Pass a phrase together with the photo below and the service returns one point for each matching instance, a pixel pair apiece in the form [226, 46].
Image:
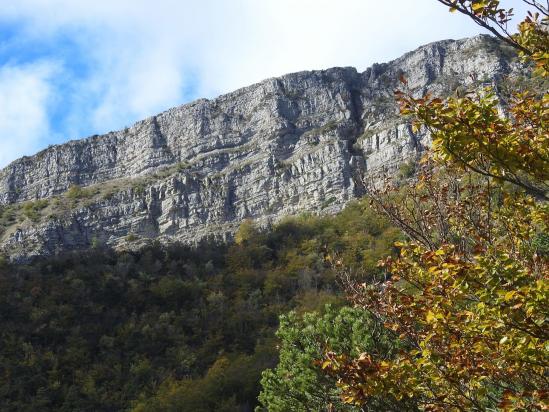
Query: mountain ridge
[302, 142]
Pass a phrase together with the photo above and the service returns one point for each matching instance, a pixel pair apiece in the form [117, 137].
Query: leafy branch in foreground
[531, 40]
[471, 132]
[474, 318]
[468, 295]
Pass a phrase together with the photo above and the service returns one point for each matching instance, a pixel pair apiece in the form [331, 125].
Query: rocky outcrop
[301, 142]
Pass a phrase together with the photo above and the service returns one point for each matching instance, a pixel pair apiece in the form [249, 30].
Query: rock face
[301, 142]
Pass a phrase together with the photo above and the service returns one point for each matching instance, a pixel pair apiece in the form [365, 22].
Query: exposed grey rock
[301, 142]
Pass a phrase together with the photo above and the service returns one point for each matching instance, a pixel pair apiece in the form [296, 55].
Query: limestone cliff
[301, 142]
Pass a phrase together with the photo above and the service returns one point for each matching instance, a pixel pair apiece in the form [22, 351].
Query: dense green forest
[171, 327]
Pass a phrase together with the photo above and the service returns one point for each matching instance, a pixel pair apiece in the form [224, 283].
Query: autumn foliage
[468, 295]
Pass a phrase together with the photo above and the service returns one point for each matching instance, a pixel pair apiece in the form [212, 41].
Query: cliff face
[301, 142]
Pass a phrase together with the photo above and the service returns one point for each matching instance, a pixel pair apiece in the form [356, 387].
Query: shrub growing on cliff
[76, 192]
[32, 209]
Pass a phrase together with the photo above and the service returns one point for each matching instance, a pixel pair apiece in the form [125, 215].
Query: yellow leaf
[478, 6]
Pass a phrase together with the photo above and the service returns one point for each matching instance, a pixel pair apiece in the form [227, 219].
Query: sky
[74, 68]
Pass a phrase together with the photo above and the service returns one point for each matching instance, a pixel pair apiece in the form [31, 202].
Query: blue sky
[73, 68]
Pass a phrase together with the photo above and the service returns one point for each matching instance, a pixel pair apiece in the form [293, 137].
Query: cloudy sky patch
[69, 69]
[25, 95]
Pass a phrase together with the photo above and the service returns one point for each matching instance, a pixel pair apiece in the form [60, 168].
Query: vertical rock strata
[301, 142]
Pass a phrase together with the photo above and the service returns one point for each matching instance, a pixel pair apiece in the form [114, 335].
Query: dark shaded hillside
[98, 330]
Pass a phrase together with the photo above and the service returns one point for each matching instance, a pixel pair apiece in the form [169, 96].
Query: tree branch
[485, 25]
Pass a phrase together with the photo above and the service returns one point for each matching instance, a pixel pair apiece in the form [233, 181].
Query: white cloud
[24, 95]
[145, 54]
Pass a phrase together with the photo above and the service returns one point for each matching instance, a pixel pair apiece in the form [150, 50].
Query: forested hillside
[171, 325]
